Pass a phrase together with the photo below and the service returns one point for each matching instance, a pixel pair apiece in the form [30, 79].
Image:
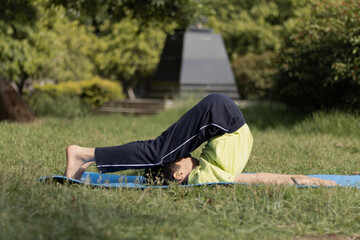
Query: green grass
[284, 142]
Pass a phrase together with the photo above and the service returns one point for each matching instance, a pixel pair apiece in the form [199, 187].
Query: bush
[96, 91]
[61, 106]
[254, 75]
[73, 99]
[320, 60]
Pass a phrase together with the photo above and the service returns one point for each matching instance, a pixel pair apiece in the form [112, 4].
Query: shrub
[64, 106]
[320, 59]
[64, 88]
[97, 91]
[73, 99]
[254, 75]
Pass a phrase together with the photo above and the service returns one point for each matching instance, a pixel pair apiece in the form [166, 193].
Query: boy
[217, 120]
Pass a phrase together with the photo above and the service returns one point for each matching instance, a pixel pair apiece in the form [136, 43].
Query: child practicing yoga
[216, 120]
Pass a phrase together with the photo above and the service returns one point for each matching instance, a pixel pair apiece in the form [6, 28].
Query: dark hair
[164, 175]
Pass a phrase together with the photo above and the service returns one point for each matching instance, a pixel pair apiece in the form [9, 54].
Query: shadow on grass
[264, 115]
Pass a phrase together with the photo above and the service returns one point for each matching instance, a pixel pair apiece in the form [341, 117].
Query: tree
[97, 12]
[12, 107]
[43, 44]
[253, 32]
[14, 17]
[18, 58]
[127, 54]
[38, 43]
[251, 26]
[320, 61]
[130, 34]
[70, 46]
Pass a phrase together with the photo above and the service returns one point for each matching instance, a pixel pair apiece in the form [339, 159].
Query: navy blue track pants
[215, 115]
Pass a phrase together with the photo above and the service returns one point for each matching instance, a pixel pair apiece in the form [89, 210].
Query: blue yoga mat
[115, 181]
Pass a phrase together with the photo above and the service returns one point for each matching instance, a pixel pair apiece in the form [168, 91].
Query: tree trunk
[12, 107]
[131, 94]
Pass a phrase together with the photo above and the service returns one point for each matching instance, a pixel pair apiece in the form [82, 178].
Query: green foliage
[73, 99]
[71, 47]
[18, 12]
[94, 91]
[65, 40]
[252, 33]
[97, 91]
[20, 56]
[62, 106]
[249, 26]
[254, 75]
[52, 43]
[129, 35]
[45, 46]
[320, 60]
[19, 59]
[163, 12]
[128, 50]
[127, 54]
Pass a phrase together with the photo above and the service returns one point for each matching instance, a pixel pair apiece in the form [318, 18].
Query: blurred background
[64, 57]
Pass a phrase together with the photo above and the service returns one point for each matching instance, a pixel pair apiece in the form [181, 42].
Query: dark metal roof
[195, 61]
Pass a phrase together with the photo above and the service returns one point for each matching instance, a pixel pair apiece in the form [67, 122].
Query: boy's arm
[282, 179]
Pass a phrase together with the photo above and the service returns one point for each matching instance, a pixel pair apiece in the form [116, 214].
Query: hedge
[254, 75]
[320, 59]
[72, 99]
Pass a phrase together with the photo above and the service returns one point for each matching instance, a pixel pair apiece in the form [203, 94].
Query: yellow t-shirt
[223, 158]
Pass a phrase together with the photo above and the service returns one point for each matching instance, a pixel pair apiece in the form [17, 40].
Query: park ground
[285, 141]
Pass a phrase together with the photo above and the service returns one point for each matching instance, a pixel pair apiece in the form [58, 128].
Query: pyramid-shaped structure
[194, 61]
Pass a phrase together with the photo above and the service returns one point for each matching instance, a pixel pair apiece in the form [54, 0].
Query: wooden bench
[137, 106]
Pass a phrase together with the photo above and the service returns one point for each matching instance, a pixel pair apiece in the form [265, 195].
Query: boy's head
[177, 171]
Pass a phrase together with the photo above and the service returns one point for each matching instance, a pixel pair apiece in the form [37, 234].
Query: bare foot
[78, 159]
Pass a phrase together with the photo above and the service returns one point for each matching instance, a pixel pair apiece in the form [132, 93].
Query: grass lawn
[284, 142]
